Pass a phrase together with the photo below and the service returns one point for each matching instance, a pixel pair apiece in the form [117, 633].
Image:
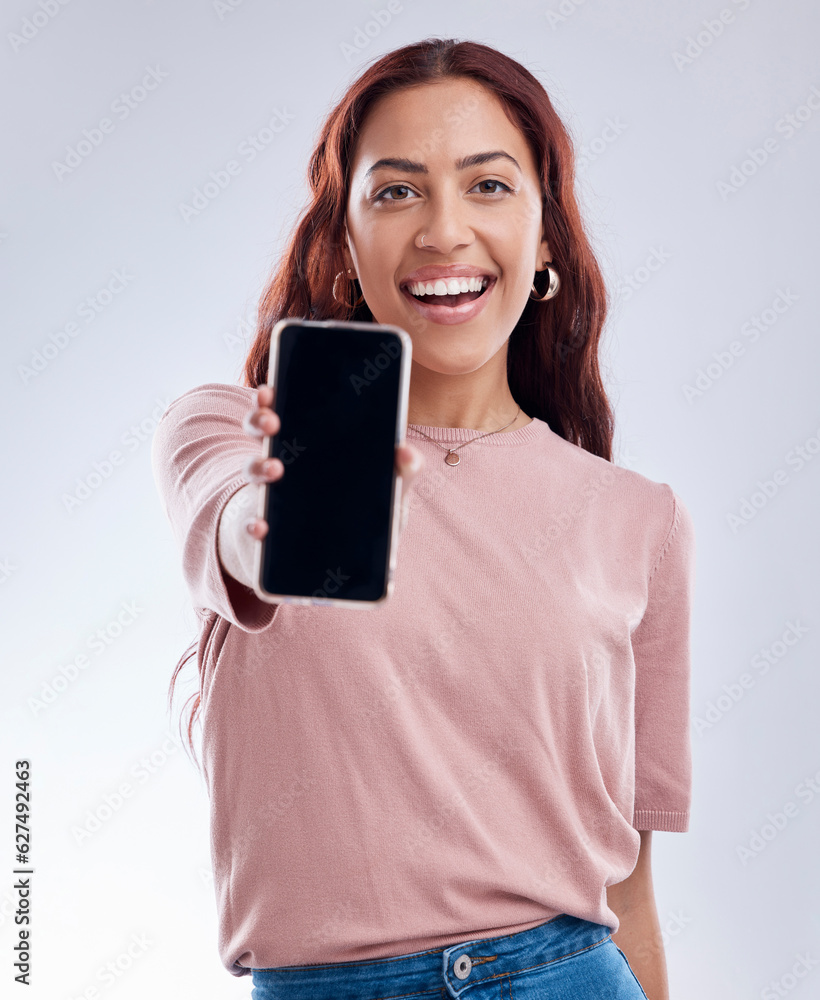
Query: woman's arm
[639, 933]
[235, 543]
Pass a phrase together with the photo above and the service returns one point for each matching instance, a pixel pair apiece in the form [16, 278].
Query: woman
[457, 794]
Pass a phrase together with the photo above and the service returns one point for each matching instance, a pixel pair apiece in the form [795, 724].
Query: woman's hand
[260, 421]
[264, 420]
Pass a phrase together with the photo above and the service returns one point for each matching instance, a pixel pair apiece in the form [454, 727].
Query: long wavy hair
[552, 355]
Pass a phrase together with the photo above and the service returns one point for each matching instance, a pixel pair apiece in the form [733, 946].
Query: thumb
[409, 460]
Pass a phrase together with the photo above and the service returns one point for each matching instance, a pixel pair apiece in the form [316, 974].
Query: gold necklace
[452, 453]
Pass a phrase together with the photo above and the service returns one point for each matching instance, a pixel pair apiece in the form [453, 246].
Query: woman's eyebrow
[412, 167]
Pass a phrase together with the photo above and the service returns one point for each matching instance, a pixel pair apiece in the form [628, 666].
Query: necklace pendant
[451, 458]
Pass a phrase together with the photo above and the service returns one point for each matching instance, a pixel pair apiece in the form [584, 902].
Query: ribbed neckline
[529, 432]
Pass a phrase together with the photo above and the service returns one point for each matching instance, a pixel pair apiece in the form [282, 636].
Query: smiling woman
[448, 159]
[471, 207]
[458, 793]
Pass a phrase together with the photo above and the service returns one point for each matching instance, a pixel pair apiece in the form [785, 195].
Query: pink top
[477, 754]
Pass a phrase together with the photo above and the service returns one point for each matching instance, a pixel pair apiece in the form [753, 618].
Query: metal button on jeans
[463, 966]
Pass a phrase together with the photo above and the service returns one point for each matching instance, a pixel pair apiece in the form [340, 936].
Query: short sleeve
[198, 453]
[661, 647]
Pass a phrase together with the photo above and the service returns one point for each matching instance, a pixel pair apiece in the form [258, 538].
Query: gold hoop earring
[554, 285]
[358, 302]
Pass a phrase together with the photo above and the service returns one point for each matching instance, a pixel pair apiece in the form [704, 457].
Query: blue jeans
[565, 958]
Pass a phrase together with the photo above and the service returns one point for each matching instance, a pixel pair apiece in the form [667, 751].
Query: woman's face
[485, 215]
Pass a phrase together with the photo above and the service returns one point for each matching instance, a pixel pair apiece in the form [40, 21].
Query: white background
[738, 912]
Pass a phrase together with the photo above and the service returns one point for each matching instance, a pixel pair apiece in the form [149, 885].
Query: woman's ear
[348, 259]
[544, 255]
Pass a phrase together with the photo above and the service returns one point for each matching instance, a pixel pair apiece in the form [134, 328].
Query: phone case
[401, 431]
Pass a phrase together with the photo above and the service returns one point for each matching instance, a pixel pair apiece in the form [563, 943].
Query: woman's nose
[446, 227]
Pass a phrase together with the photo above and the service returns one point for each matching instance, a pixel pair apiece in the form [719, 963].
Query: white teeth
[449, 286]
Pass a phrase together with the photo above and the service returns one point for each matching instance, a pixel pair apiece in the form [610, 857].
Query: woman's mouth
[440, 303]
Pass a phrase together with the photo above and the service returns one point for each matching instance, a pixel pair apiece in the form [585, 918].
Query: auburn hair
[552, 354]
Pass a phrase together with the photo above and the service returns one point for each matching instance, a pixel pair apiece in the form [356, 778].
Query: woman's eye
[500, 183]
[394, 187]
[382, 196]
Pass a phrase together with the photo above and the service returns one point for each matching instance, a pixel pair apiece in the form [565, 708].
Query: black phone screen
[337, 393]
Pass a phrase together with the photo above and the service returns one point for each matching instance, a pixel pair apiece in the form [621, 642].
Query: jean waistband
[462, 965]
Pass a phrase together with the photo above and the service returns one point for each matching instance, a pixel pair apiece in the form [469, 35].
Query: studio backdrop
[154, 165]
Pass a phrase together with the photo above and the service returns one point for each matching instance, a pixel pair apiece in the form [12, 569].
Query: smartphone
[340, 390]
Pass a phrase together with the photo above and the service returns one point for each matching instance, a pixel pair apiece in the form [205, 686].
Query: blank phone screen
[329, 515]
